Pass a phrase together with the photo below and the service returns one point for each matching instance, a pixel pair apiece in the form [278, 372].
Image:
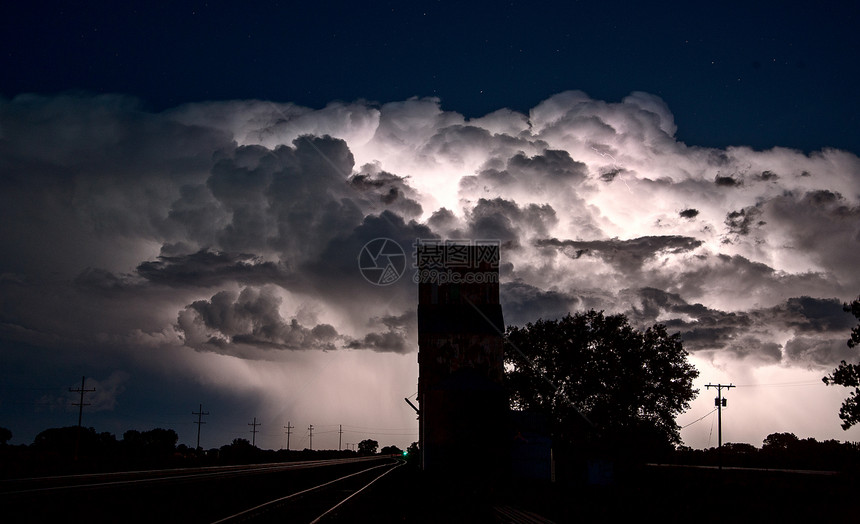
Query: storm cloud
[234, 229]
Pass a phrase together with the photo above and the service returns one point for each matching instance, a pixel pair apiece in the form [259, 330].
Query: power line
[199, 422]
[720, 402]
[80, 405]
[254, 431]
[698, 419]
[783, 384]
[288, 427]
[379, 429]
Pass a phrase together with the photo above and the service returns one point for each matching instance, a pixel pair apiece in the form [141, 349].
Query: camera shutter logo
[382, 261]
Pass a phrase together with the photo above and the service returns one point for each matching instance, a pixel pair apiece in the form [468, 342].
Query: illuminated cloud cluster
[235, 227]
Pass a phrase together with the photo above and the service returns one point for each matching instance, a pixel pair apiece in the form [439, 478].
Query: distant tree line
[611, 391]
[74, 450]
[778, 451]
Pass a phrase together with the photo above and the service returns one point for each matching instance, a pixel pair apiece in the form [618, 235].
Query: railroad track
[115, 479]
[316, 503]
[304, 491]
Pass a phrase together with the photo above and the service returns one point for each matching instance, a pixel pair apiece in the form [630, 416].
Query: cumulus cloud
[250, 318]
[399, 336]
[217, 227]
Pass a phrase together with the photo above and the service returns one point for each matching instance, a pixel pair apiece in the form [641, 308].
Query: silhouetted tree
[5, 436]
[629, 384]
[239, 451]
[156, 443]
[739, 448]
[848, 375]
[368, 447]
[391, 450]
[779, 442]
[62, 441]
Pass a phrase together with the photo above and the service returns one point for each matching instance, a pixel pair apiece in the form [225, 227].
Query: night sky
[760, 74]
[185, 190]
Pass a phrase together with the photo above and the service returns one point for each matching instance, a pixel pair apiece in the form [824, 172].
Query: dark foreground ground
[668, 494]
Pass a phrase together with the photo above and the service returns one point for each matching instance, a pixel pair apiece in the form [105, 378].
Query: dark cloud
[400, 334]
[389, 191]
[542, 173]
[609, 175]
[387, 341]
[755, 348]
[335, 273]
[625, 255]
[290, 199]
[133, 238]
[207, 268]
[717, 158]
[505, 221]
[806, 315]
[738, 275]
[103, 282]
[251, 317]
[495, 219]
[823, 225]
[442, 219]
[743, 221]
[748, 334]
[524, 303]
[458, 143]
[727, 181]
[552, 164]
[767, 176]
[817, 206]
[701, 328]
[705, 329]
[819, 351]
[89, 176]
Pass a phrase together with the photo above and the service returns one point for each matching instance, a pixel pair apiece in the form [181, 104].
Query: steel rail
[342, 502]
[268, 505]
[175, 474]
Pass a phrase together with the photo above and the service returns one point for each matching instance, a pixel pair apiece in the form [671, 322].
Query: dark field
[663, 494]
[667, 494]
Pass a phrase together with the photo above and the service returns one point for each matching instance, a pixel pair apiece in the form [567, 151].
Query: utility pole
[288, 427]
[311, 435]
[199, 414]
[720, 402]
[80, 405]
[254, 431]
[339, 436]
